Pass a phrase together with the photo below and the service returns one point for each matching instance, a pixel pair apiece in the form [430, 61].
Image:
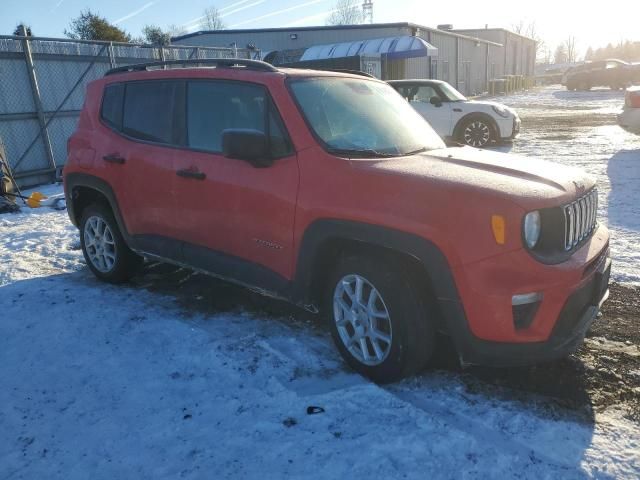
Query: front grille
[580, 218]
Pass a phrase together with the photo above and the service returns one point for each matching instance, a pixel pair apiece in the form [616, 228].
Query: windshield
[451, 93]
[354, 116]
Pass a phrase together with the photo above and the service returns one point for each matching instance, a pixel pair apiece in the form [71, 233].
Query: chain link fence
[43, 82]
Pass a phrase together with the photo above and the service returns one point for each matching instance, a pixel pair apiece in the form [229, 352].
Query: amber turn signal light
[498, 227]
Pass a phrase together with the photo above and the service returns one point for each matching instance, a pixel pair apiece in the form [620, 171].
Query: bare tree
[346, 12]
[176, 30]
[560, 55]
[570, 47]
[211, 19]
[531, 30]
[589, 54]
[518, 27]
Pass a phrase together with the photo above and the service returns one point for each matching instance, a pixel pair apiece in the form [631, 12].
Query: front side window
[213, 107]
[361, 116]
[150, 111]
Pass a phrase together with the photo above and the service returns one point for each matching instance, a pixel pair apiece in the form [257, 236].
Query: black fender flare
[492, 124]
[74, 180]
[424, 251]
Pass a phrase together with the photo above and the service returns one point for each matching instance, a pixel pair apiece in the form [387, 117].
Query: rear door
[234, 218]
[151, 126]
[136, 152]
[438, 116]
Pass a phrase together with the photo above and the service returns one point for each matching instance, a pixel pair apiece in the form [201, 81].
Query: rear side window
[151, 110]
[213, 107]
[112, 101]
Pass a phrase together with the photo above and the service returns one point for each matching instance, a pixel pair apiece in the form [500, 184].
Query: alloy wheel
[477, 134]
[362, 320]
[100, 244]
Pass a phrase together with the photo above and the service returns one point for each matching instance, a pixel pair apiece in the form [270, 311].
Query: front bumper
[484, 325]
[509, 128]
[576, 317]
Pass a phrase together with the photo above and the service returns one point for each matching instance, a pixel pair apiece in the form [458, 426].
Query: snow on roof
[404, 46]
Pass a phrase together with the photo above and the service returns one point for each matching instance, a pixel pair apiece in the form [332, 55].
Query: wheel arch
[81, 190]
[457, 131]
[325, 239]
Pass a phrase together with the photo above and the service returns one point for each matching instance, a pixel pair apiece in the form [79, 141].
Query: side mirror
[435, 101]
[246, 144]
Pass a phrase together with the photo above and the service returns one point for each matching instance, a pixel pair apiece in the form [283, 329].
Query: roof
[415, 80]
[403, 46]
[497, 29]
[332, 28]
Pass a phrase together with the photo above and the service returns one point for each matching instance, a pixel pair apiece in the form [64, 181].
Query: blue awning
[404, 46]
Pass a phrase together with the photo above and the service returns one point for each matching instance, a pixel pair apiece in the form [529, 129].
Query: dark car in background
[615, 74]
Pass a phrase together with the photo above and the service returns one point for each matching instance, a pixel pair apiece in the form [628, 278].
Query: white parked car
[629, 119]
[454, 117]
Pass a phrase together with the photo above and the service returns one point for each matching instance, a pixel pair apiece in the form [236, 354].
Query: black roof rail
[345, 70]
[217, 62]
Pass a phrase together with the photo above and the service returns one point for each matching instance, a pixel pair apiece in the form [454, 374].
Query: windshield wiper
[419, 150]
[365, 152]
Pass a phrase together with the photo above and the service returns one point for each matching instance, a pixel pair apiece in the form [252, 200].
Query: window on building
[434, 68]
[445, 70]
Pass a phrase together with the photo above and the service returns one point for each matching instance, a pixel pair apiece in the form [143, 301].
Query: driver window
[424, 94]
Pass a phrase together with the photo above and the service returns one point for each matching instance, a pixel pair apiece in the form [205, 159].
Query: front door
[438, 115]
[235, 219]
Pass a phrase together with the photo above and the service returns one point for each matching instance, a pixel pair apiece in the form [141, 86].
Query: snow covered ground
[99, 381]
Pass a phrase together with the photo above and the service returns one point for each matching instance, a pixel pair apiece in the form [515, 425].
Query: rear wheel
[380, 321]
[476, 132]
[584, 86]
[104, 249]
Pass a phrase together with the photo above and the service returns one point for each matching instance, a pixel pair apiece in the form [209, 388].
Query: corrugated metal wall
[446, 61]
[516, 58]
[465, 69]
[35, 124]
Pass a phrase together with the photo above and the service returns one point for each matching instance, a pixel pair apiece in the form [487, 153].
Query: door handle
[191, 174]
[457, 109]
[114, 158]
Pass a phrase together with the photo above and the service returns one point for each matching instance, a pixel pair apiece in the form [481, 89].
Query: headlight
[500, 110]
[531, 228]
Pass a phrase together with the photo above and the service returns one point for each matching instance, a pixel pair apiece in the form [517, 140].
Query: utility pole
[367, 11]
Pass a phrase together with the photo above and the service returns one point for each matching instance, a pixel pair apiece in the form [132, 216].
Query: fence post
[112, 56]
[37, 100]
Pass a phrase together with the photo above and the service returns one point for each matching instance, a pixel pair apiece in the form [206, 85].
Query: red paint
[448, 201]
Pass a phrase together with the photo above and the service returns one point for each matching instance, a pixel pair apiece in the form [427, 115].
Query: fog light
[526, 298]
[524, 308]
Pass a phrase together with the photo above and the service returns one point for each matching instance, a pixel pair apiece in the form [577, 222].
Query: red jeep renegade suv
[330, 191]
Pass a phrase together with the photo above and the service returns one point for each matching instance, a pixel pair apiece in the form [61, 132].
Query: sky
[555, 19]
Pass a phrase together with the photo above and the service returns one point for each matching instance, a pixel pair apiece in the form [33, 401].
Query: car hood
[488, 104]
[529, 182]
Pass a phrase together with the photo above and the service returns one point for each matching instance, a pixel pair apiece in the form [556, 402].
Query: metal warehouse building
[466, 59]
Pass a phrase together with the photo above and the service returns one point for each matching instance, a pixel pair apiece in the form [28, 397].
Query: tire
[476, 132]
[404, 339]
[584, 86]
[104, 249]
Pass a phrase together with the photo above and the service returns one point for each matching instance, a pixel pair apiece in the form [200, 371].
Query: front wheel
[380, 321]
[103, 247]
[476, 132]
